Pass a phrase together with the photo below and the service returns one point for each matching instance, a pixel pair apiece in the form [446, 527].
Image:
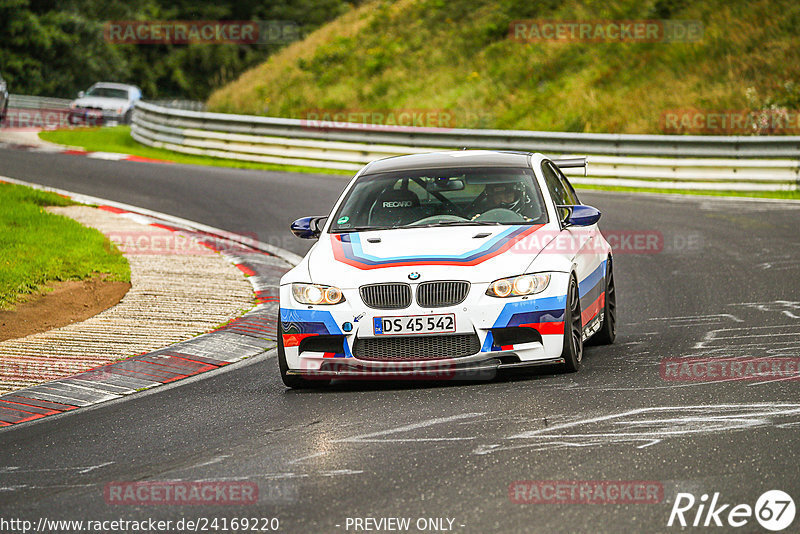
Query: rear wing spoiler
[571, 163]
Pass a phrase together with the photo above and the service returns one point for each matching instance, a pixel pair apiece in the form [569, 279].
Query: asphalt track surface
[723, 285]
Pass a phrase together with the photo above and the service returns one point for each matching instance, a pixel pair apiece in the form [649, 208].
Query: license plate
[414, 324]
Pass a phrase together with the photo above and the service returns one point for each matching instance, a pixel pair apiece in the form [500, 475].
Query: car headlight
[317, 294]
[517, 286]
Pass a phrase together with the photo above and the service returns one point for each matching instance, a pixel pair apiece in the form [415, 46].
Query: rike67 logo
[774, 510]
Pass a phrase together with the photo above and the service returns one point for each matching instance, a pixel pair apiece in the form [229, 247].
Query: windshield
[441, 197]
[108, 92]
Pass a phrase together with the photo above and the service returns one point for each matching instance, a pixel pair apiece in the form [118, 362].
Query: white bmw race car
[447, 264]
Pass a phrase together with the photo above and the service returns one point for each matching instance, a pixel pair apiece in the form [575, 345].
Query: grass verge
[37, 247]
[118, 139]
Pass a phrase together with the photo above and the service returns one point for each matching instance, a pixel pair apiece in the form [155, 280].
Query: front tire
[608, 330]
[572, 351]
[292, 381]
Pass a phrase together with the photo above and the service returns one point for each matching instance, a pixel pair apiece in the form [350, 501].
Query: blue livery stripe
[316, 322]
[347, 249]
[589, 283]
[311, 316]
[548, 305]
[488, 342]
[359, 253]
[547, 316]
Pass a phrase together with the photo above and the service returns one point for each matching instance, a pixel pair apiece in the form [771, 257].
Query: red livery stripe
[593, 309]
[555, 327]
[293, 340]
[339, 254]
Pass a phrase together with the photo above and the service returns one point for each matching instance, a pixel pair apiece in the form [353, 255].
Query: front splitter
[480, 370]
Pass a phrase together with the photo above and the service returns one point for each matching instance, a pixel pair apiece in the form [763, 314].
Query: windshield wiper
[361, 229]
[430, 225]
[454, 223]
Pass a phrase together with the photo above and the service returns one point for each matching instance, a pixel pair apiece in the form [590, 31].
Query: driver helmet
[506, 195]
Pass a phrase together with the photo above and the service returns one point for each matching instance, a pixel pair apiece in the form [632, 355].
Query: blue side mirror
[307, 227]
[579, 215]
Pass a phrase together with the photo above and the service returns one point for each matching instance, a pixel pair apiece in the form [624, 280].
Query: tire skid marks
[779, 265]
[697, 320]
[81, 470]
[381, 436]
[640, 427]
[645, 427]
[740, 339]
[748, 338]
[726, 336]
[788, 308]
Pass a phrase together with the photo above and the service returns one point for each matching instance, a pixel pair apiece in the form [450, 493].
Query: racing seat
[395, 207]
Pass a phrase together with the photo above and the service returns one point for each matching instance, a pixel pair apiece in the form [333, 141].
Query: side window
[554, 184]
[559, 187]
[568, 189]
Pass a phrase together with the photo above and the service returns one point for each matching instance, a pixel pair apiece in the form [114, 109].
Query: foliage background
[455, 55]
[56, 47]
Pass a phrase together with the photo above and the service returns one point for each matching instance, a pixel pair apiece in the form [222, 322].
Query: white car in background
[3, 100]
[453, 261]
[104, 102]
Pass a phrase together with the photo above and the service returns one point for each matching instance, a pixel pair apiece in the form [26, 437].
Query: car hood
[473, 253]
[101, 102]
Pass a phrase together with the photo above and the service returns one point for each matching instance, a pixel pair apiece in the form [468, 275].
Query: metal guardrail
[43, 102]
[37, 102]
[619, 160]
[178, 103]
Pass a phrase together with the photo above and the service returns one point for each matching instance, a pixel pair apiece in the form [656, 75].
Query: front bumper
[94, 116]
[485, 369]
[494, 323]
